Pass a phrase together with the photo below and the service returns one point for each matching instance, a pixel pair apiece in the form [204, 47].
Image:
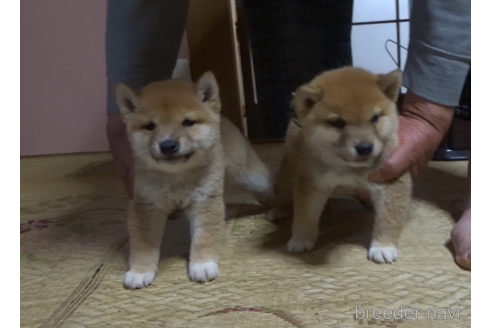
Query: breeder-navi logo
[408, 313]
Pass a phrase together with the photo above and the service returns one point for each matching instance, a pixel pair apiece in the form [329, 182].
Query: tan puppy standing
[183, 151]
[347, 126]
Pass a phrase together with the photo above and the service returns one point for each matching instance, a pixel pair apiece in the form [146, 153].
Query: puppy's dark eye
[340, 124]
[149, 127]
[188, 123]
[375, 119]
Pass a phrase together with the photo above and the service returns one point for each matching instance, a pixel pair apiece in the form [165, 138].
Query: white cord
[389, 53]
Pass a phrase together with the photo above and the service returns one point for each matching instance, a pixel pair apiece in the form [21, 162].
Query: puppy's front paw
[134, 280]
[203, 272]
[382, 254]
[295, 246]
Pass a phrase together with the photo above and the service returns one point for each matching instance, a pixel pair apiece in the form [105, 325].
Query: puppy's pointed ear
[207, 90]
[390, 84]
[127, 98]
[305, 98]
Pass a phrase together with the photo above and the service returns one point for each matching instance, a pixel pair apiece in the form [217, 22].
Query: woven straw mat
[74, 249]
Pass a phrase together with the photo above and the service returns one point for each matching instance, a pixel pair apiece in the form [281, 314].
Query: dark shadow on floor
[342, 222]
[442, 188]
[177, 236]
[348, 222]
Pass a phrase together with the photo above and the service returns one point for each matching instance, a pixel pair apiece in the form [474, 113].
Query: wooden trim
[253, 121]
[213, 47]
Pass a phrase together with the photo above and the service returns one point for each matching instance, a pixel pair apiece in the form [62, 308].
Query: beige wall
[63, 88]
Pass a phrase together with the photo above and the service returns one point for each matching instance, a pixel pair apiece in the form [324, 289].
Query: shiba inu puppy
[183, 152]
[346, 126]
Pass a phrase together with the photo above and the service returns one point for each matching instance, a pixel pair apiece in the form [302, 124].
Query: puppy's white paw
[203, 272]
[134, 280]
[276, 214]
[382, 254]
[295, 246]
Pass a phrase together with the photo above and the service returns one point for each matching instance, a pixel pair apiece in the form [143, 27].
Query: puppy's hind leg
[391, 202]
[283, 188]
[256, 178]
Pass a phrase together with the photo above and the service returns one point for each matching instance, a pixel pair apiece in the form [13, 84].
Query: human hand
[121, 150]
[422, 126]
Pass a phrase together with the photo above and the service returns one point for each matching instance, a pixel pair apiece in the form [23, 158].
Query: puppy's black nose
[169, 147]
[364, 148]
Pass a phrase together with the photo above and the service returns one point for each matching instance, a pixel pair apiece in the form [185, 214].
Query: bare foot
[461, 233]
[461, 237]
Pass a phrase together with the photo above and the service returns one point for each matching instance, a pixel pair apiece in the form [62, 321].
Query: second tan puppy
[183, 152]
[347, 126]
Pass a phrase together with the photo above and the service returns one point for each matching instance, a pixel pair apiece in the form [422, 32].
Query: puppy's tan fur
[320, 155]
[189, 182]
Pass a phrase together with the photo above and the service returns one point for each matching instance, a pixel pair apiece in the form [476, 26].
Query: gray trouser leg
[143, 38]
[439, 54]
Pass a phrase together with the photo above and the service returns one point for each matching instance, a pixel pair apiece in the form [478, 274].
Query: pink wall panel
[62, 76]
[63, 88]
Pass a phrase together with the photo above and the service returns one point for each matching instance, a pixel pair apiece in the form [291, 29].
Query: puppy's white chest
[178, 197]
[333, 179]
[170, 197]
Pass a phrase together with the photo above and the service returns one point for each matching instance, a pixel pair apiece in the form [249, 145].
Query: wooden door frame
[214, 46]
